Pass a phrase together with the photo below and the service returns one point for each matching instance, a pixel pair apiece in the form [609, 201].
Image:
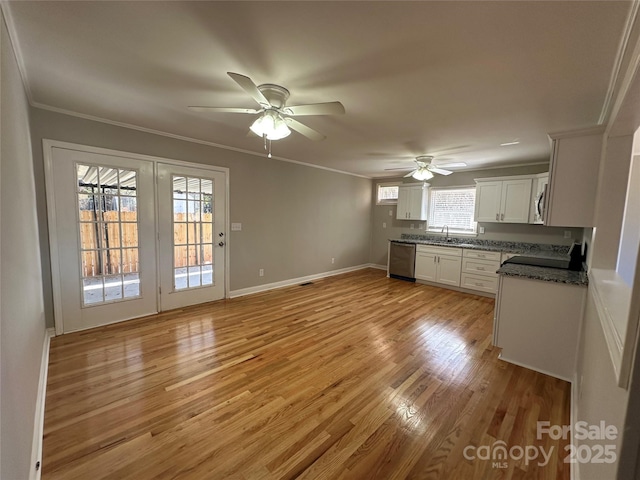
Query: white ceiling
[449, 78]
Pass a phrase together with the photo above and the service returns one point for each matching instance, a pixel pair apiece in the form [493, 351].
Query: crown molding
[623, 47]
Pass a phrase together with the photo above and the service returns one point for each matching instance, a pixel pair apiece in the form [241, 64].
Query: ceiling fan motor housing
[276, 94]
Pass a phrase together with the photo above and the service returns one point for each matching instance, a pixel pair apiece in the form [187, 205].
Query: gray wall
[294, 218]
[493, 231]
[21, 306]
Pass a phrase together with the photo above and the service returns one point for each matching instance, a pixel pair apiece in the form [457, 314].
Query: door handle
[221, 244]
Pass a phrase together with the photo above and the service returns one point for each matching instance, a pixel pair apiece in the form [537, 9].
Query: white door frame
[47, 147]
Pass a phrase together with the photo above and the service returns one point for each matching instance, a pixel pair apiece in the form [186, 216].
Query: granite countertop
[530, 249]
[545, 274]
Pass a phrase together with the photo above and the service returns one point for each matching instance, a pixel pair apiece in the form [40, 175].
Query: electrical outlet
[481, 229]
[333, 260]
[236, 227]
[384, 224]
[261, 272]
[567, 234]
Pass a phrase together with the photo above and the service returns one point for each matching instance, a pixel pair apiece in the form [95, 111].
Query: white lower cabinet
[479, 282]
[479, 270]
[537, 324]
[439, 264]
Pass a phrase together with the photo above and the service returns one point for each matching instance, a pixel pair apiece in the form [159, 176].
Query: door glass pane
[108, 230]
[192, 232]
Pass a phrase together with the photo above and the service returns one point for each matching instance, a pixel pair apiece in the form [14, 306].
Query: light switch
[391, 213]
[384, 224]
[236, 227]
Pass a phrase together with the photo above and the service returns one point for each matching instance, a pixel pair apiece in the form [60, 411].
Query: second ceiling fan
[425, 169]
[275, 120]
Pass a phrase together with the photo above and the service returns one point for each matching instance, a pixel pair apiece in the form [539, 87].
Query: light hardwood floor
[355, 376]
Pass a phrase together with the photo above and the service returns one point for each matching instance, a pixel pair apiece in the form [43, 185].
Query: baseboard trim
[379, 267]
[295, 281]
[38, 424]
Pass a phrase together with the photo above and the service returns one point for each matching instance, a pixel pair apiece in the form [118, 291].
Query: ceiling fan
[275, 121]
[425, 169]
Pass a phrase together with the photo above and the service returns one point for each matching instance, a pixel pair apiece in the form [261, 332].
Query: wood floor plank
[355, 376]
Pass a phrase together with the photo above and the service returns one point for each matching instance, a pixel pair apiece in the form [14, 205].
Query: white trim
[48, 146]
[15, 46]
[184, 138]
[295, 281]
[38, 423]
[53, 238]
[478, 169]
[379, 267]
[617, 65]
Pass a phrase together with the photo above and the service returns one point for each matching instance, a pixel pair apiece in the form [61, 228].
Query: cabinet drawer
[481, 267]
[478, 282]
[481, 254]
[456, 252]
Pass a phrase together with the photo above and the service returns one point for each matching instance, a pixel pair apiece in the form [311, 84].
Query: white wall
[22, 325]
[295, 218]
[630, 236]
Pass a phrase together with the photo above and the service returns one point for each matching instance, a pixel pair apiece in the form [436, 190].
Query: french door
[131, 236]
[191, 204]
[105, 251]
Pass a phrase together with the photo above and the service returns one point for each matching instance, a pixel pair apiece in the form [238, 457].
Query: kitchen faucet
[447, 239]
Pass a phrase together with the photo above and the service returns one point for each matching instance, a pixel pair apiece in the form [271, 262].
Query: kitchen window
[387, 194]
[453, 207]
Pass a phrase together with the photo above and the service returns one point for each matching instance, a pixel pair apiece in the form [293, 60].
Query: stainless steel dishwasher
[402, 261]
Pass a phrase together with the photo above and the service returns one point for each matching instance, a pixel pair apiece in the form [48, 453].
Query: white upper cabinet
[412, 202]
[503, 200]
[488, 197]
[573, 178]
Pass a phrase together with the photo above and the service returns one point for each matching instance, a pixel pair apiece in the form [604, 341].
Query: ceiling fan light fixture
[422, 174]
[271, 125]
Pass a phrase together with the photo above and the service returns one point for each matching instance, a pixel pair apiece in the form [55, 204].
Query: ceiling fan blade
[328, 108]
[304, 130]
[251, 88]
[452, 164]
[196, 108]
[438, 170]
[399, 168]
[411, 173]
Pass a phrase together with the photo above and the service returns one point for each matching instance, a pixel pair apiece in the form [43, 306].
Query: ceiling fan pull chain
[269, 156]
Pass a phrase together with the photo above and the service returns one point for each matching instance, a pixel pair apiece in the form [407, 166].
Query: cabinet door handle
[497, 216]
[502, 217]
[434, 259]
[480, 268]
[478, 285]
